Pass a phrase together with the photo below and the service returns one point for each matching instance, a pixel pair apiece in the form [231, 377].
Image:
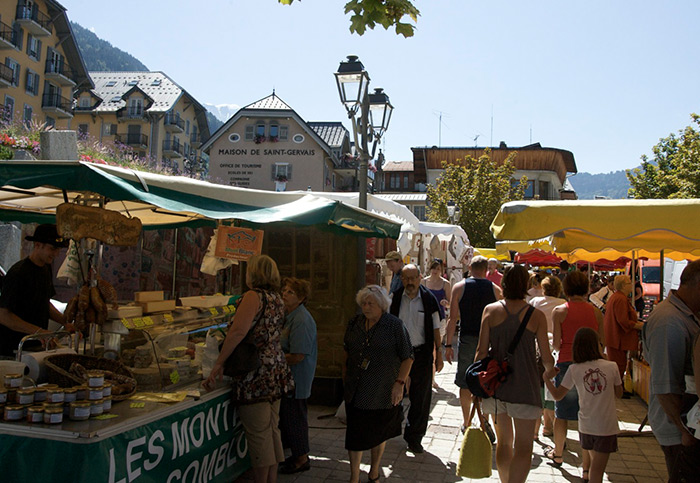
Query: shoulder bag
[245, 357]
[485, 375]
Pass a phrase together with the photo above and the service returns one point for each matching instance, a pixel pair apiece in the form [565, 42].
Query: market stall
[603, 229]
[167, 429]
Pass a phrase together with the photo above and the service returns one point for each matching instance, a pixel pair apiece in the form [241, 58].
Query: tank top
[440, 296]
[523, 384]
[579, 314]
[478, 293]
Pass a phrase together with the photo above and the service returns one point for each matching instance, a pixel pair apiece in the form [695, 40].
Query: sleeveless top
[523, 383]
[478, 293]
[440, 296]
[273, 378]
[579, 314]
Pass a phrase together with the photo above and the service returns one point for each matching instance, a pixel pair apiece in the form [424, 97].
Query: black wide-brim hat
[47, 233]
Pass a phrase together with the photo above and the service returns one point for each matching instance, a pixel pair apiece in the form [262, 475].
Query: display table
[195, 440]
[641, 374]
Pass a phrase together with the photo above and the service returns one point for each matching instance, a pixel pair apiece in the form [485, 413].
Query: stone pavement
[639, 458]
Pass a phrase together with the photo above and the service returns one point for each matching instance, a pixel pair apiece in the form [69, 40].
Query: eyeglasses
[288, 291]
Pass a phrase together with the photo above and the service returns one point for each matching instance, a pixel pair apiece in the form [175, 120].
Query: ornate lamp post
[453, 212]
[374, 112]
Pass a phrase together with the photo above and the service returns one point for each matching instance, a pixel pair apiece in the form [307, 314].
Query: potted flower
[259, 138]
[281, 178]
[273, 139]
[280, 183]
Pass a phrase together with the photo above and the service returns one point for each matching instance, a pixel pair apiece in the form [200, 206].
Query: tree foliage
[387, 13]
[674, 172]
[478, 187]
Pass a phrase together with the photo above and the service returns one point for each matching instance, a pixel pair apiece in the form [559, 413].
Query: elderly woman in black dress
[379, 356]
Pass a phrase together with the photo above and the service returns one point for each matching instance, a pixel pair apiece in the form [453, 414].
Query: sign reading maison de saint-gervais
[241, 173]
[267, 152]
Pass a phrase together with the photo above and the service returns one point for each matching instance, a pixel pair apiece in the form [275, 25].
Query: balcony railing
[174, 123]
[7, 76]
[6, 37]
[59, 72]
[36, 22]
[60, 105]
[132, 139]
[196, 140]
[131, 112]
[172, 148]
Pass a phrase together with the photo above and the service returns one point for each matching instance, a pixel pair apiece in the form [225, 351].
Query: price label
[232, 308]
[226, 309]
[137, 405]
[106, 416]
[174, 377]
[138, 323]
[147, 321]
[168, 317]
[127, 323]
[214, 311]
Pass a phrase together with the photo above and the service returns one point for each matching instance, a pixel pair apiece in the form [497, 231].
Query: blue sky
[602, 79]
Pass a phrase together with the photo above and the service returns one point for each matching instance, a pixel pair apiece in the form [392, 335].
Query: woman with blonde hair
[257, 394]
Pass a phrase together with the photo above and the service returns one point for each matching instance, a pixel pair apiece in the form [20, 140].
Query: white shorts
[514, 410]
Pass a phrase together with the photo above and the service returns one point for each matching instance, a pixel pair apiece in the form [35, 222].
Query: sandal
[372, 480]
[584, 476]
[549, 453]
[547, 434]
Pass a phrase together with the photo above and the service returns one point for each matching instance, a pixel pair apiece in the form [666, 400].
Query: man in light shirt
[419, 310]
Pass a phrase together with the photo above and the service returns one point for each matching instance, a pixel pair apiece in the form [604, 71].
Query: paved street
[639, 458]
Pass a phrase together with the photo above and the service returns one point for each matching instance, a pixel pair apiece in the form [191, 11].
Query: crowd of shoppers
[395, 343]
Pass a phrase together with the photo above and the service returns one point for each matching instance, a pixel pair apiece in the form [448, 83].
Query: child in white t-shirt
[598, 383]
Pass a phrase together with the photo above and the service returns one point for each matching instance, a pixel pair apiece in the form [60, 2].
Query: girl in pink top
[598, 383]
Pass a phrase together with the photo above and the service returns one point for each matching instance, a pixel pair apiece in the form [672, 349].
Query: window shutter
[249, 132]
[17, 35]
[30, 78]
[29, 45]
[274, 171]
[38, 50]
[36, 84]
[289, 172]
[113, 129]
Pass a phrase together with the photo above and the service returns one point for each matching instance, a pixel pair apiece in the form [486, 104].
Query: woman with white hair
[621, 324]
[378, 359]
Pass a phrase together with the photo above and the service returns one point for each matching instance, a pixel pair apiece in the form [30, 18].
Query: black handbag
[245, 357]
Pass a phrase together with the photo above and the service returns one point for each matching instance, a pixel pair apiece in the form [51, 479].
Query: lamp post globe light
[453, 212]
[374, 111]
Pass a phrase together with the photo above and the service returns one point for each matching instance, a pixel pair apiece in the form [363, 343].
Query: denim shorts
[567, 408]
[465, 358]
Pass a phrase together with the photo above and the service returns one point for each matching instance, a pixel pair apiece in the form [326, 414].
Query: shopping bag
[475, 454]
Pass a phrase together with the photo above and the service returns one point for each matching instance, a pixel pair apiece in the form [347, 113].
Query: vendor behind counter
[25, 300]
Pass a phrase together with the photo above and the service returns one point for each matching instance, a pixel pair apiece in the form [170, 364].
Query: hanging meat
[91, 305]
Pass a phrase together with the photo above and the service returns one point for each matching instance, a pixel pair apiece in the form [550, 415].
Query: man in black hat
[25, 301]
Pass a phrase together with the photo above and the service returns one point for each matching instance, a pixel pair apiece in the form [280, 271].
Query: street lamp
[374, 114]
[453, 212]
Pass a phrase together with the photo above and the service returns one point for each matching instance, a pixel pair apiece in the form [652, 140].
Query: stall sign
[204, 443]
[238, 243]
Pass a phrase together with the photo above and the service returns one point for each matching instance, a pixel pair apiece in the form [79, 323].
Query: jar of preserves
[94, 393]
[35, 414]
[40, 394]
[3, 395]
[25, 396]
[80, 410]
[107, 389]
[70, 394]
[97, 407]
[80, 393]
[13, 412]
[53, 415]
[96, 378]
[55, 395]
[13, 380]
[107, 404]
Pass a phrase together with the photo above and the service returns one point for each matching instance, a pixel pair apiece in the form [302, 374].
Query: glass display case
[166, 351]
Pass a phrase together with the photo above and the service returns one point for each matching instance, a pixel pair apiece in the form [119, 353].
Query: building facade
[40, 64]
[148, 113]
[267, 145]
